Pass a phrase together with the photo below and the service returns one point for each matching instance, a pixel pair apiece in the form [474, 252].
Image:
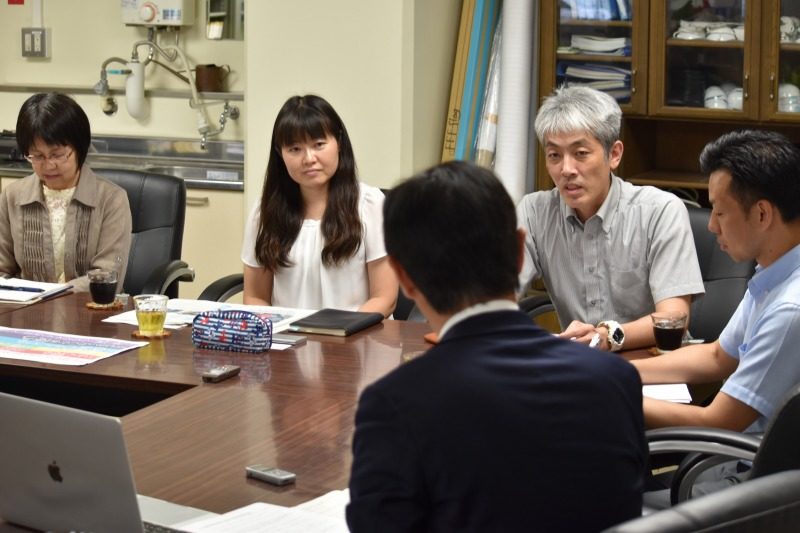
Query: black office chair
[536, 305]
[223, 288]
[406, 309]
[725, 283]
[158, 206]
[770, 503]
[778, 450]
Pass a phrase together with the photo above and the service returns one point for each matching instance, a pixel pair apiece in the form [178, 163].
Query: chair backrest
[770, 503]
[406, 309]
[780, 447]
[725, 280]
[158, 208]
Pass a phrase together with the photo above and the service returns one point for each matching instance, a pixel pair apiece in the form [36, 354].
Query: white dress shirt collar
[477, 309]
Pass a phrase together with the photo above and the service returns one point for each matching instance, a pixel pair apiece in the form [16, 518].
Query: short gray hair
[574, 109]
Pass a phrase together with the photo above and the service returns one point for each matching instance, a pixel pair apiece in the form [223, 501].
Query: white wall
[84, 34]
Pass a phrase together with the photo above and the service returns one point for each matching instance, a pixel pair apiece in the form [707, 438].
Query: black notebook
[335, 322]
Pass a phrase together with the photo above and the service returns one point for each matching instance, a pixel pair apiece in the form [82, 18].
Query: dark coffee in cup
[668, 338]
[102, 285]
[668, 328]
[103, 292]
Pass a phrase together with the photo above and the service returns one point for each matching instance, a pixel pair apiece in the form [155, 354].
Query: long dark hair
[282, 210]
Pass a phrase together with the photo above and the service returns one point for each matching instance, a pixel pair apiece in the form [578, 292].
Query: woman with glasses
[63, 220]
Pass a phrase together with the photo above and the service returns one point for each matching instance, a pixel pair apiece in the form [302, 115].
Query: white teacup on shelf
[735, 98]
[722, 33]
[689, 34]
[715, 98]
[789, 28]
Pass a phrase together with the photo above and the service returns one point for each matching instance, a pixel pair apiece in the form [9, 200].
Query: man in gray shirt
[610, 253]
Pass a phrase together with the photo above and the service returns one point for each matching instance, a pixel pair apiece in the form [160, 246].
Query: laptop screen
[64, 469]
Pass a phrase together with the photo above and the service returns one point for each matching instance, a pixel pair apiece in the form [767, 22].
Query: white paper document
[267, 518]
[26, 291]
[59, 348]
[330, 504]
[671, 392]
[181, 312]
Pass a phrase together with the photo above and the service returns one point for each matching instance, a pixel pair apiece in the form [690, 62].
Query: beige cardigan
[98, 230]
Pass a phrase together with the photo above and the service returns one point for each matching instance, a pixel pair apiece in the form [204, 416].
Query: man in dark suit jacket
[501, 426]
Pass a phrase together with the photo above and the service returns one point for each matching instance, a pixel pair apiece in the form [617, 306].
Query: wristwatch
[616, 335]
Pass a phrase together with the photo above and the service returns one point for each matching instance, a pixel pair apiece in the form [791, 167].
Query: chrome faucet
[228, 112]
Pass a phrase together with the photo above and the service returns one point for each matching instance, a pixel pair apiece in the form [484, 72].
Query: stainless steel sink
[198, 172]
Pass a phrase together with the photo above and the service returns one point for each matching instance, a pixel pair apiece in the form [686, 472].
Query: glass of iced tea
[151, 311]
[668, 328]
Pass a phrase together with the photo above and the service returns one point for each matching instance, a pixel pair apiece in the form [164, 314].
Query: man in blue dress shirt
[501, 426]
[754, 189]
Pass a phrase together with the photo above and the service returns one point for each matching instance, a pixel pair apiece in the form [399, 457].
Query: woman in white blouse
[315, 239]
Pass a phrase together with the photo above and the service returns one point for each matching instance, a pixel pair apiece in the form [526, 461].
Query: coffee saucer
[114, 306]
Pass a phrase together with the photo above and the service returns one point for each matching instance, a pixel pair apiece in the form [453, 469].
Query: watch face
[618, 335]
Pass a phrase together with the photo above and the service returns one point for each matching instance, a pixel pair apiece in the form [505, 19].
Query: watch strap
[616, 335]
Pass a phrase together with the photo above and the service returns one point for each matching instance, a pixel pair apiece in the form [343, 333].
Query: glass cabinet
[703, 58]
[781, 79]
[696, 70]
[725, 59]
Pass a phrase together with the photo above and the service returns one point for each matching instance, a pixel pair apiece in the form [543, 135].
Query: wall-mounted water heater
[158, 12]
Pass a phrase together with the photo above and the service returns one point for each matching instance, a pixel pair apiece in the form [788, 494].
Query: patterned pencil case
[236, 331]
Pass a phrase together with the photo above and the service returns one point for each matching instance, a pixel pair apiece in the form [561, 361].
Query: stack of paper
[26, 291]
[616, 81]
[601, 45]
[594, 71]
[321, 515]
[670, 392]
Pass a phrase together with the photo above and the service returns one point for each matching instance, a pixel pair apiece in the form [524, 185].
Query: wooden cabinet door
[780, 76]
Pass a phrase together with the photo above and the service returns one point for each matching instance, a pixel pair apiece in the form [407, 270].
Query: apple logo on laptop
[55, 472]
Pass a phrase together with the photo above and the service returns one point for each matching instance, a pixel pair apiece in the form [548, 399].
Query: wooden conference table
[293, 409]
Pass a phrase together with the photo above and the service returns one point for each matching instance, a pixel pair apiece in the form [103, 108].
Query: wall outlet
[36, 42]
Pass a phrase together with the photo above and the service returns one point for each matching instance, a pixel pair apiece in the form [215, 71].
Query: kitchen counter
[220, 166]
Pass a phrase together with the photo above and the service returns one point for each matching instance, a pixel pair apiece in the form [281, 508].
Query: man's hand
[584, 333]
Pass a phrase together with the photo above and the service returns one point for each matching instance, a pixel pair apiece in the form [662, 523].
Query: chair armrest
[536, 305]
[223, 288]
[706, 448]
[165, 275]
[702, 439]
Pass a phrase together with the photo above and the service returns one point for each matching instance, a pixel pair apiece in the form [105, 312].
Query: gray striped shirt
[635, 251]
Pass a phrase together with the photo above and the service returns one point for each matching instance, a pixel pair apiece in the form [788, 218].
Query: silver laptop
[63, 469]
